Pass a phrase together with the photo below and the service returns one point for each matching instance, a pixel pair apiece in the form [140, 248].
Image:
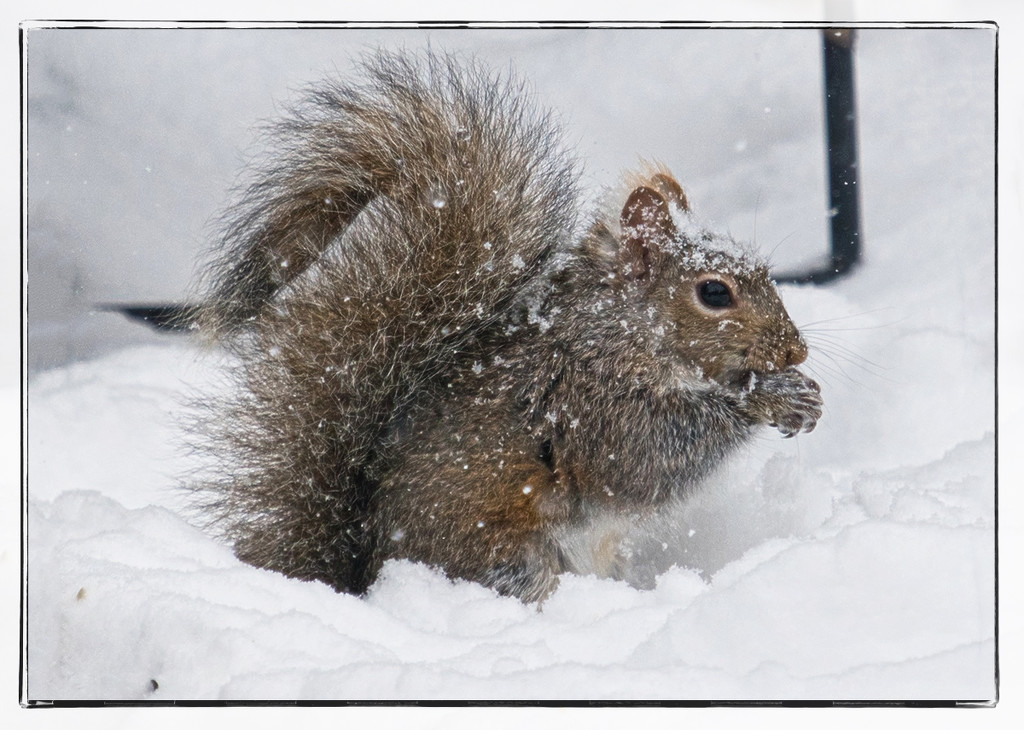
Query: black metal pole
[841, 116]
[163, 317]
[841, 142]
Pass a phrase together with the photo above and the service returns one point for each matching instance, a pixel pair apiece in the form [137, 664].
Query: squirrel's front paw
[788, 401]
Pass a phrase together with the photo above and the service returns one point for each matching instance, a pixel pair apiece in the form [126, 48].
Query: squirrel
[438, 358]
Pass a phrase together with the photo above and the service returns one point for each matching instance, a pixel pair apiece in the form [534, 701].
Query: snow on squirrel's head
[705, 303]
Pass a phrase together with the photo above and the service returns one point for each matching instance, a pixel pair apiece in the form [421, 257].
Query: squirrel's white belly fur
[600, 546]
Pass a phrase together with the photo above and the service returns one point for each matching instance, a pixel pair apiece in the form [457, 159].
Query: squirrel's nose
[797, 352]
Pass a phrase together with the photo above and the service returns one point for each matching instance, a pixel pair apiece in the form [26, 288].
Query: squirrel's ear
[646, 225]
[671, 190]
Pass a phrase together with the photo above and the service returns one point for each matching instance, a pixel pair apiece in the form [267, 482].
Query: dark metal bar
[841, 139]
[162, 317]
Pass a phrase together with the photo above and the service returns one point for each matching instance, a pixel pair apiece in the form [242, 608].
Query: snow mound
[881, 587]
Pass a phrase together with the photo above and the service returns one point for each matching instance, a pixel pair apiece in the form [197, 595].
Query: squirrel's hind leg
[483, 506]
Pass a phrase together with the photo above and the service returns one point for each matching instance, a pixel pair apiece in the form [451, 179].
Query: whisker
[838, 349]
[771, 254]
[836, 361]
[832, 369]
[830, 361]
[855, 315]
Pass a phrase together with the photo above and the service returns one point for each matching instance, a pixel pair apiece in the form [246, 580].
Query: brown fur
[434, 366]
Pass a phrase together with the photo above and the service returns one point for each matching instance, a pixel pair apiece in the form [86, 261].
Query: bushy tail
[396, 224]
[467, 178]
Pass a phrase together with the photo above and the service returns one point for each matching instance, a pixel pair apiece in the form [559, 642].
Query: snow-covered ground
[856, 562]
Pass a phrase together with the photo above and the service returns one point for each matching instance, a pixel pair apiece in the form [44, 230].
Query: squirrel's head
[708, 308]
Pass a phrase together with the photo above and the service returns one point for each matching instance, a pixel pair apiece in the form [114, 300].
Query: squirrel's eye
[714, 293]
